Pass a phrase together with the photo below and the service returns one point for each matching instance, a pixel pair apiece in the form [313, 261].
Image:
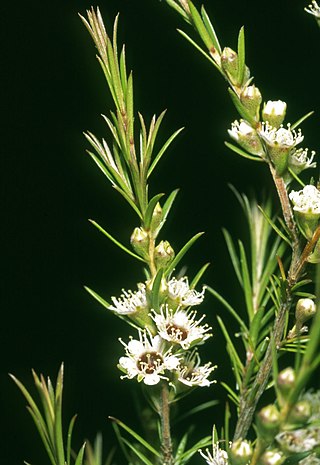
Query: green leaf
[231, 394]
[181, 448]
[98, 298]
[123, 69]
[230, 309]
[240, 108]
[205, 54]
[167, 207]
[234, 357]
[162, 151]
[116, 242]
[241, 56]
[199, 26]
[303, 118]
[137, 452]
[156, 289]
[233, 255]
[69, 438]
[79, 458]
[205, 442]
[255, 327]
[149, 211]
[242, 153]
[181, 253]
[246, 281]
[197, 409]
[210, 29]
[198, 276]
[135, 436]
[277, 230]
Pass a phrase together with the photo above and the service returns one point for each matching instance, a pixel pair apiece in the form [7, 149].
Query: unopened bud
[240, 452]
[156, 217]
[251, 99]
[163, 254]
[286, 380]
[268, 420]
[272, 457]
[140, 241]
[274, 112]
[305, 309]
[300, 413]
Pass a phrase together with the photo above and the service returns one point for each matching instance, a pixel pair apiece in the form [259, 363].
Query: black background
[51, 91]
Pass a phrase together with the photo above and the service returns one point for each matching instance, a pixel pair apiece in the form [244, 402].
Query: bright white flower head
[180, 327]
[191, 373]
[299, 440]
[314, 9]
[276, 107]
[146, 359]
[286, 138]
[246, 137]
[299, 161]
[130, 302]
[217, 457]
[307, 200]
[240, 129]
[180, 292]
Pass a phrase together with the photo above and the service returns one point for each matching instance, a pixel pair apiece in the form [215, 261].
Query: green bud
[305, 309]
[251, 99]
[163, 254]
[268, 421]
[229, 64]
[140, 242]
[274, 112]
[272, 457]
[286, 380]
[240, 452]
[246, 137]
[300, 413]
[156, 218]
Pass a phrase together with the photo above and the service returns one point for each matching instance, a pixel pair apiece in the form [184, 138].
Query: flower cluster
[167, 332]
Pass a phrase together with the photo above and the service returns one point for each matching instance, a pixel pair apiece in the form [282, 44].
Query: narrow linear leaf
[121, 246]
[232, 395]
[235, 360]
[199, 26]
[149, 211]
[210, 29]
[230, 309]
[69, 438]
[242, 153]
[181, 447]
[98, 297]
[233, 255]
[135, 436]
[241, 55]
[162, 151]
[303, 118]
[179, 10]
[79, 459]
[205, 54]
[199, 275]
[197, 409]
[182, 252]
[137, 452]
[156, 289]
[272, 224]
[247, 288]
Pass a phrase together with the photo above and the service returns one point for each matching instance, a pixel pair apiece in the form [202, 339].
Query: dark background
[51, 91]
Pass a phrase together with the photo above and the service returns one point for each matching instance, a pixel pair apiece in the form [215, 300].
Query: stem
[250, 397]
[166, 446]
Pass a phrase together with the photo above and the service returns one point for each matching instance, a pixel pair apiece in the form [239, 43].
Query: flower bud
[229, 64]
[305, 309]
[140, 242]
[163, 254]
[300, 413]
[274, 112]
[306, 207]
[240, 452]
[272, 457]
[156, 218]
[251, 99]
[246, 137]
[286, 380]
[299, 161]
[268, 421]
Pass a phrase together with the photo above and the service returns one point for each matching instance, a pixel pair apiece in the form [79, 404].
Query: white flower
[180, 327]
[191, 373]
[299, 161]
[274, 107]
[306, 200]
[218, 456]
[286, 138]
[299, 440]
[239, 130]
[130, 302]
[146, 359]
[314, 9]
[180, 292]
